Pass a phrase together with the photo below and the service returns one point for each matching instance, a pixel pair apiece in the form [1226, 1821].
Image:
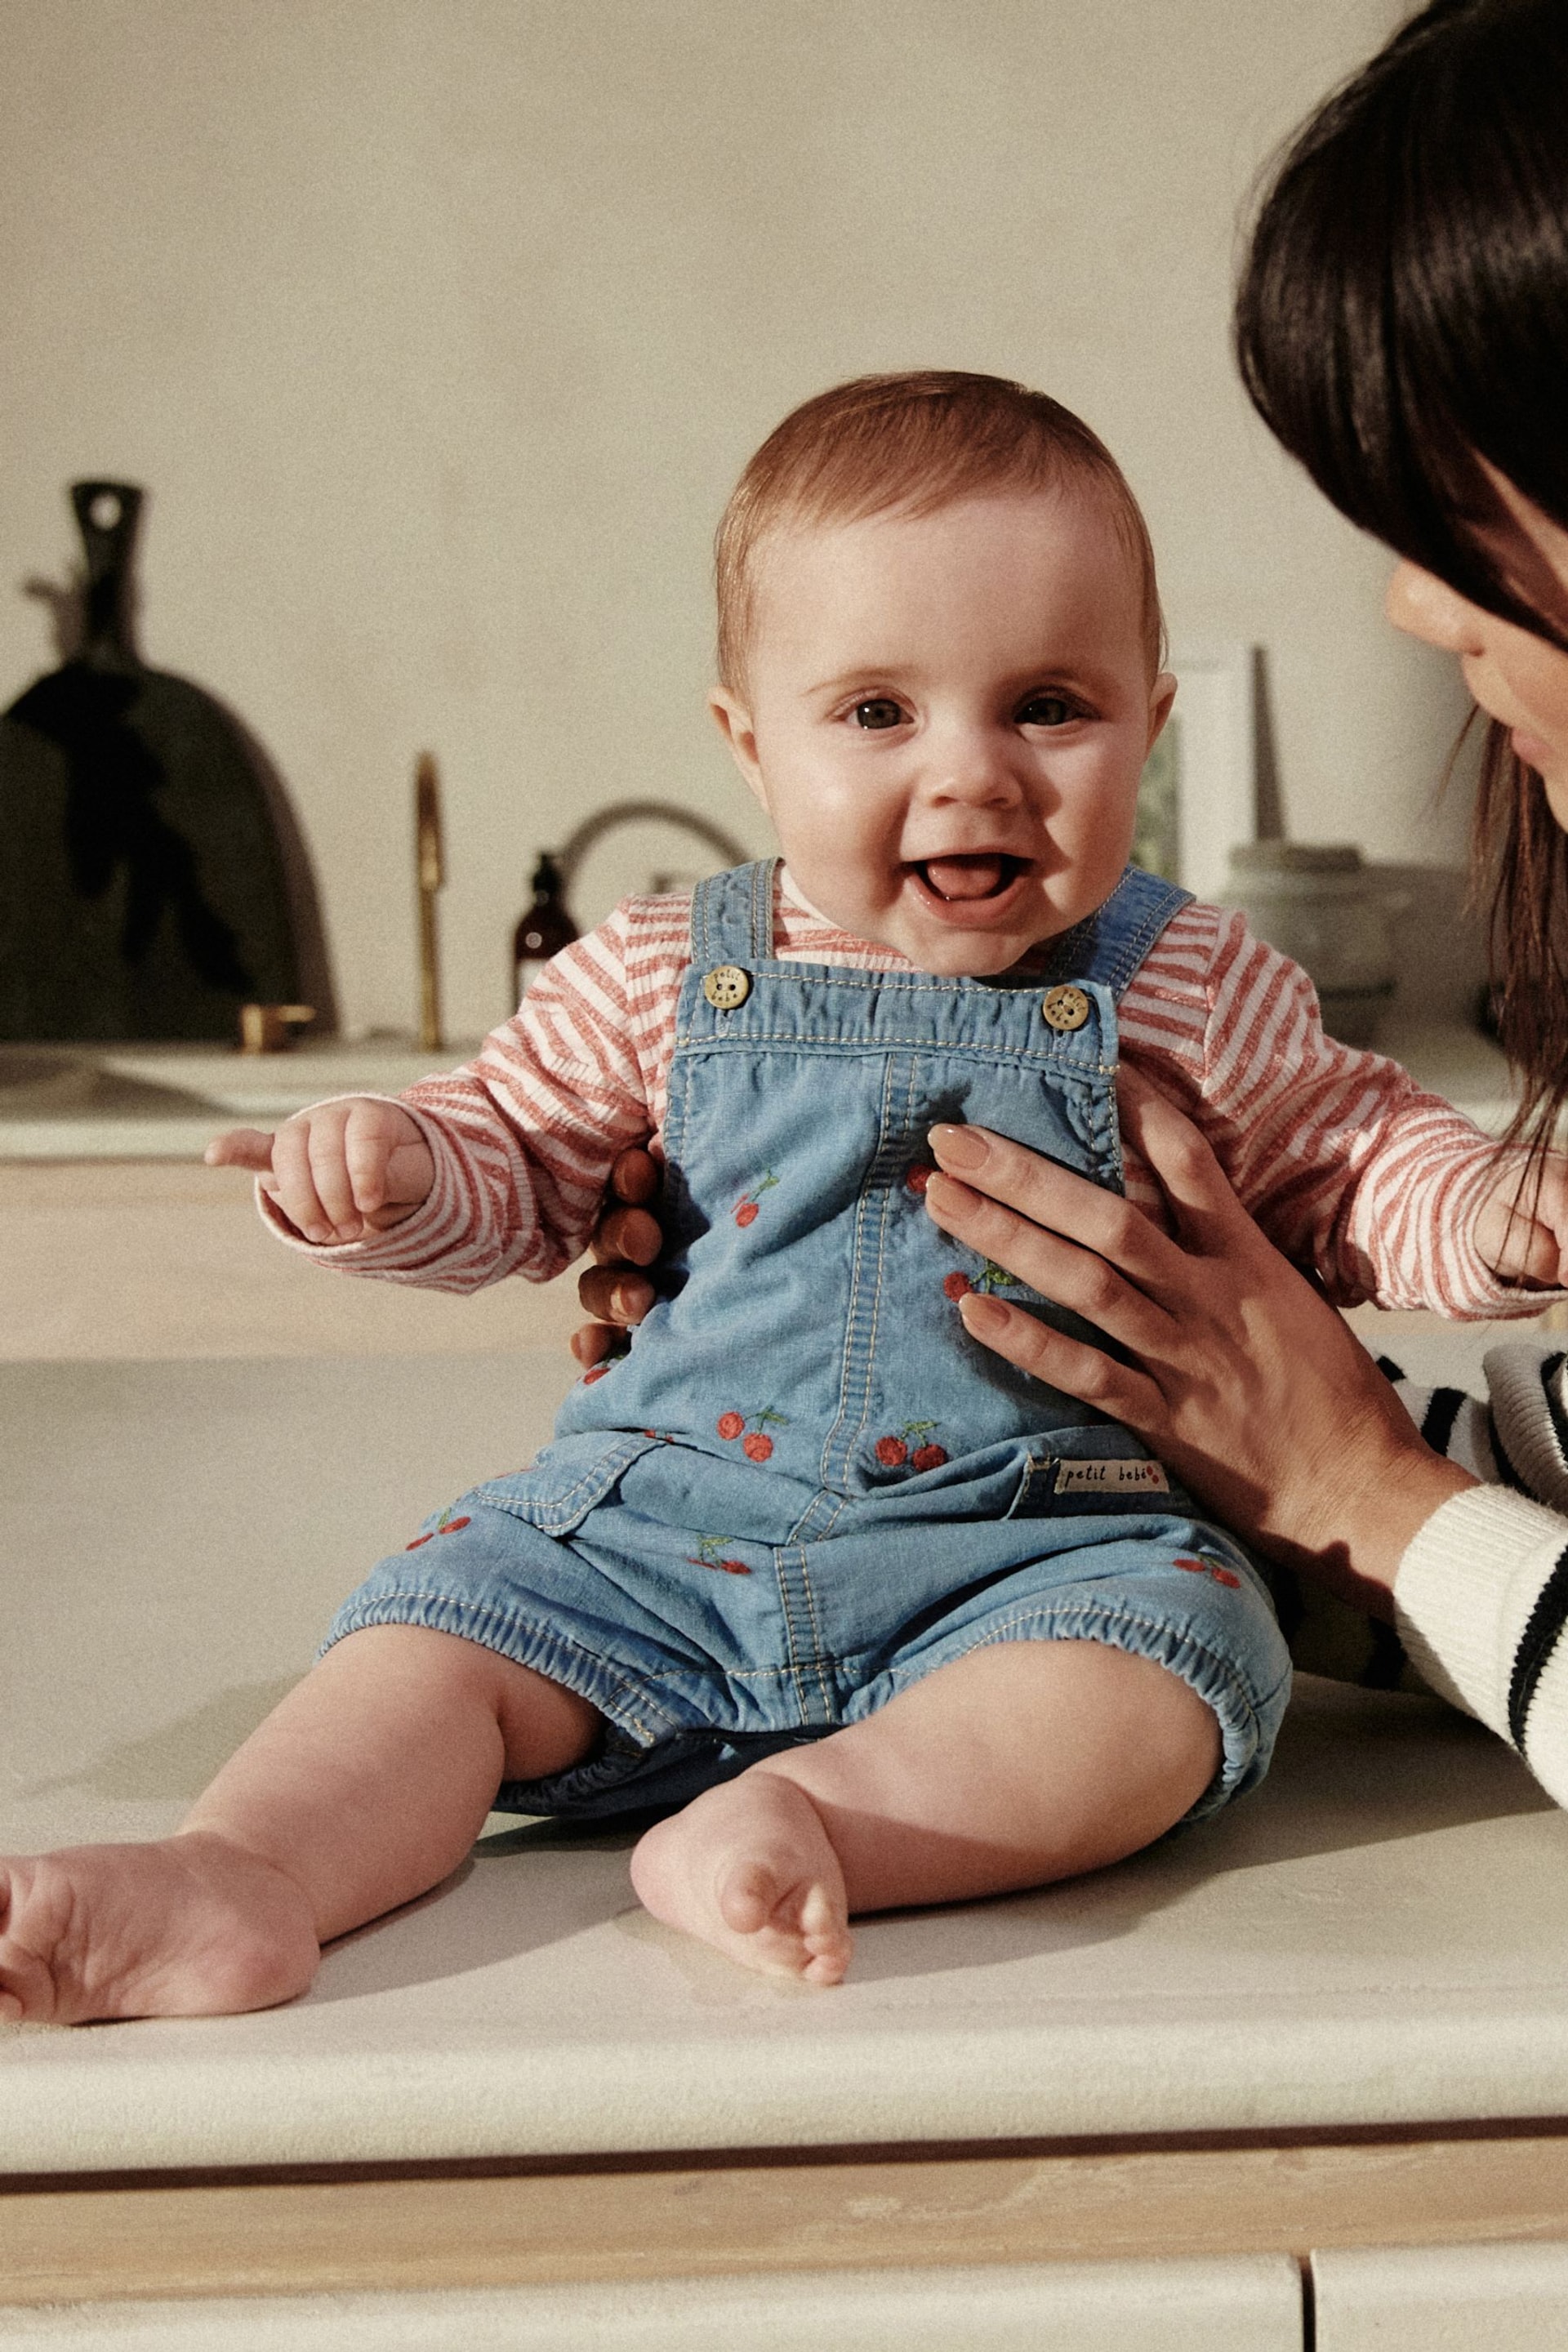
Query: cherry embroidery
[748, 1208]
[710, 1553]
[1208, 1568]
[599, 1371]
[917, 1177]
[893, 1452]
[445, 1525]
[997, 1278]
[992, 1279]
[755, 1444]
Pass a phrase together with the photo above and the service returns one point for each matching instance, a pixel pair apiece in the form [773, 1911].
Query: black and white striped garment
[1481, 1600]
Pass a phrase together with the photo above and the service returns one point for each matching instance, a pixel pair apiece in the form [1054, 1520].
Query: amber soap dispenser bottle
[546, 928]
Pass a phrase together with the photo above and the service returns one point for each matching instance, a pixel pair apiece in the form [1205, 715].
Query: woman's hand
[626, 1238]
[1245, 1381]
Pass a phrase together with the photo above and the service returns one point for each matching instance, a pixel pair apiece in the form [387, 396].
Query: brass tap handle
[427, 822]
[429, 872]
[269, 1028]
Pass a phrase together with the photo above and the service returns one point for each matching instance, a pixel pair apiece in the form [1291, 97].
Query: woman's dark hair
[1402, 315]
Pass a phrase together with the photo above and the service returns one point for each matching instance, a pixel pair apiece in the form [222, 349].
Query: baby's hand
[1528, 1243]
[339, 1172]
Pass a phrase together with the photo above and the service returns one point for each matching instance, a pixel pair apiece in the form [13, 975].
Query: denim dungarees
[805, 1486]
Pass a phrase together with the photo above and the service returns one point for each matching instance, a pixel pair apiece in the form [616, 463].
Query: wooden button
[1065, 1008]
[726, 986]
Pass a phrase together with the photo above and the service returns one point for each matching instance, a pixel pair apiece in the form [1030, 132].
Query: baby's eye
[881, 711]
[1047, 710]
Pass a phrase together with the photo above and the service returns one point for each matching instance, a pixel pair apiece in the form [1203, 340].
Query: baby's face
[946, 717]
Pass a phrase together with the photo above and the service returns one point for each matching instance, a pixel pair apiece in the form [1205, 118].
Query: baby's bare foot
[748, 1868]
[191, 1927]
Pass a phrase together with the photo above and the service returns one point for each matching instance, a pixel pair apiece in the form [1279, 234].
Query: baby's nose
[972, 766]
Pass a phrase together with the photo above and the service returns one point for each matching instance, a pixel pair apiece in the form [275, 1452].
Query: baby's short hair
[912, 443]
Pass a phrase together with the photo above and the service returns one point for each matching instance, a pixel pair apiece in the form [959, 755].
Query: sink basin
[272, 1085]
[39, 1082]
[163, 1102]
[31, 1078]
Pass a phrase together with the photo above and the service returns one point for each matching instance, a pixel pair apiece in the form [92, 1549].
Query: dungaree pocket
[567, 1480]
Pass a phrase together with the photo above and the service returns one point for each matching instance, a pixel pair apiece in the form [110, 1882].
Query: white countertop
[167, 1102]
[1376, 1936]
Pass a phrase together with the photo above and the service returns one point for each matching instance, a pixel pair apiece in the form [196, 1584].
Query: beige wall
[440, 327]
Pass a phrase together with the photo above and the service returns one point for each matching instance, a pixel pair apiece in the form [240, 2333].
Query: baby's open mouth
[970, 875]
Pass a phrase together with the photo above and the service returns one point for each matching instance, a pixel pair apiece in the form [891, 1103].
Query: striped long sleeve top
[1481, 1597]
[1345, 1163]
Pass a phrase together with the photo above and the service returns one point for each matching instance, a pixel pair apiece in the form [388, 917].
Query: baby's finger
[612, 1294]
[1531, 1254]
[381, 1220]
[295, 1190]
[370, 1137]
[627, 1235]
[242, 1147]
[330, 1169]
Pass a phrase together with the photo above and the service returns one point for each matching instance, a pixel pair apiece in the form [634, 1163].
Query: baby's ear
[1161, 694]
[735, 724]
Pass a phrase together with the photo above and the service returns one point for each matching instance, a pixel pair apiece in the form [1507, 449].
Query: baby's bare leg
[1021, 1763]
[365, 1788]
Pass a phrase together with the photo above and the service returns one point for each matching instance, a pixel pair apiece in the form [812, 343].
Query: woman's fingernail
[959, 1147]
[949, 1198]
[982, 1312]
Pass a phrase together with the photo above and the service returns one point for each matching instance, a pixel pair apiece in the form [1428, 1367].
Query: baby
[867, 1616]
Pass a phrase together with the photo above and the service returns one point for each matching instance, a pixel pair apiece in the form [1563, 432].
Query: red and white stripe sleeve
[1347, 1164]
[524, 1136]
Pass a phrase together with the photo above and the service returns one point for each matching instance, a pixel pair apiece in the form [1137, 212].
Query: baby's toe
[748, 1898]
[826, 1941]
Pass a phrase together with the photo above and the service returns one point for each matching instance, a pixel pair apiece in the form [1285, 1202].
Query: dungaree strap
[1109, 945]
[733, 916]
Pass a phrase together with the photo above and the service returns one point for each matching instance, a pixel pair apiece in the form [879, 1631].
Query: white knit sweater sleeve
[1481, 1597]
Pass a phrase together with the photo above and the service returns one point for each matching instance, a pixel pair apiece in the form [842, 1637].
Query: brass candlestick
[429, 874]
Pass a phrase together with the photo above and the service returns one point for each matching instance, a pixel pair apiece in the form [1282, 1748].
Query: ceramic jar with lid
[1318, 902]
